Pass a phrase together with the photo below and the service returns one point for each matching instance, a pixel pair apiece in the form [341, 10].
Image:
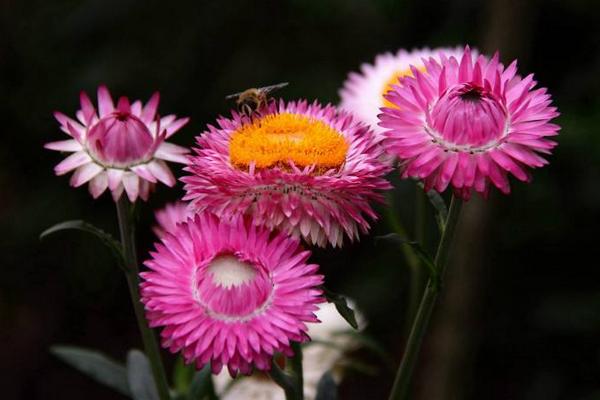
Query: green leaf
[139, 376]
[106, 239]
[202, 385]
[421, 253]
[437, 201]
[341, 305]
[95, 365]
[326, 388]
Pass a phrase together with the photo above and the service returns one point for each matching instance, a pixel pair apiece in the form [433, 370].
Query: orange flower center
[394, 81]
[275, 140]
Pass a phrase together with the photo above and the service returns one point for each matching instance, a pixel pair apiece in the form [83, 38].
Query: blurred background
[520, 316]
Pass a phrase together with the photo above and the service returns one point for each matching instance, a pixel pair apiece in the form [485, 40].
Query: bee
[251, 100]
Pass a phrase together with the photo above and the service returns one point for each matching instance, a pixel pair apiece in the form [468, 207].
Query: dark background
[520, 317]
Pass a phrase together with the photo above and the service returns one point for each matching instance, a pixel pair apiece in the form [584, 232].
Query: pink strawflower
[119, 148]
[171, 215]
[363, 92]
[230, 293]
[468, 123]
[305, 169]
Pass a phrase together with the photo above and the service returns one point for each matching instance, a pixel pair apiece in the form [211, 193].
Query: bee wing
[269, 89]
[233, 96]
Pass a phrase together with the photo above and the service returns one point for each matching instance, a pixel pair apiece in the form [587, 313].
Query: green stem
[421, 321]
[409, 255]
[292, 384]
[296, 367]
[127, 230]
[416, 271]
[284, 381]
[420, 217]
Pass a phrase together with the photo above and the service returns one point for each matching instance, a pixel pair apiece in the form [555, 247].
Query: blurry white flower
[321, 355]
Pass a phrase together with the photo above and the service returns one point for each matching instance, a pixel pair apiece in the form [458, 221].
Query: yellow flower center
[394, 81]
[277, 139]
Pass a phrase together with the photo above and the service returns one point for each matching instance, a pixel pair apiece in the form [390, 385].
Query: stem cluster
[401, 385]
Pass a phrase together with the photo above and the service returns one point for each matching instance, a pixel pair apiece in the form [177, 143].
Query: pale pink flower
[468, 123]
[363, 92]
[119, 148]
[230, 293]
[171, 215]
[306, 169]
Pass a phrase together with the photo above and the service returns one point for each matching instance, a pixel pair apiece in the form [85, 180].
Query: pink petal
[132, 185]
[123, 105]
[98, 185]
[162, 172]
[73, 161]
[86, 107]
[176, 125]
[115, 177]
[143, 171]
[105, 102]
[64, 145]
[136, 108]
[116, 193]
[150, 108]
[171, 152]
[84, 173]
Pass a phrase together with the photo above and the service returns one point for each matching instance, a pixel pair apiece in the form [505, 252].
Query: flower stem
[394, 223]
[415, 288]
[127, 230]
[284, 381]
[421, 321]
[297, 369]
[292, 384]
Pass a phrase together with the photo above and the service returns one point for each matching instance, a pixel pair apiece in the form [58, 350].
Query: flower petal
[73, 161]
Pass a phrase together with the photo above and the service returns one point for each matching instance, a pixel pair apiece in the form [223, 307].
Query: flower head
[305, 169]
[468, 123]
[363, 93]
[324, 354]
[230, 293]
[121, 148]
[171, 215]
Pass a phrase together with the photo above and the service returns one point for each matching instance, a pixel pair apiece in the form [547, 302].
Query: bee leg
[246, 110]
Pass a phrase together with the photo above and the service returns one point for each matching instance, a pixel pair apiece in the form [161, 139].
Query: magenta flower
[119, 148]
[305, 169]
[171, 215]
[468, 124]
[230, 293]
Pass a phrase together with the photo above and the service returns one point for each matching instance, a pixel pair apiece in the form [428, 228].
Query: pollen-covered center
[394, 81]
[231, 287]
[276, 140]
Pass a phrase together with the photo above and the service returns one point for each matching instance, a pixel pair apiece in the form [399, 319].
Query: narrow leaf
[421, 253]
[202, 385]
[95, 365]
[139, 376]
[341, 305]
[106, 239]
[441, 210]
[326, 388]
[440, 206]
